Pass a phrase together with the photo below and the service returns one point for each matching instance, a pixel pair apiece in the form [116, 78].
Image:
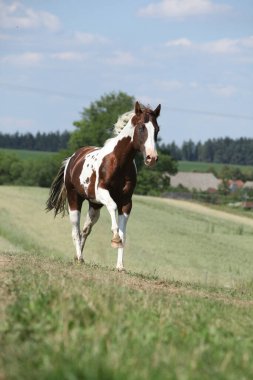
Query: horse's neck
[121, 145]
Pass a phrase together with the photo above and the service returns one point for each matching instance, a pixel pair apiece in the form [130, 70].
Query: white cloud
[221, 46]
[247, 42]
[69, 56]
[225, 91]
[17, 15]
[89, 38]
[11, 124]
[23, 59]
[170, 85]
[5, 37]
[121, 58]
[181, 42]
[182, 8]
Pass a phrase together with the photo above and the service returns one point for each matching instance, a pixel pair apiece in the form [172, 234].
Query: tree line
[48, 142]
[89, 132]
[216, 150]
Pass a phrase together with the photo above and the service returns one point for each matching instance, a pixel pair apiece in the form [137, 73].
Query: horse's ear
[157, 110]
[137, 108]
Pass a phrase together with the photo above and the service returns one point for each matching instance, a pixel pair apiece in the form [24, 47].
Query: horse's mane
[122, 122]
[124, 119]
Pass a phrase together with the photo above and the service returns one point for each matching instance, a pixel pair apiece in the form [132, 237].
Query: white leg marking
[122, 233]
[74, 216]
[91, 218]
[104, 197]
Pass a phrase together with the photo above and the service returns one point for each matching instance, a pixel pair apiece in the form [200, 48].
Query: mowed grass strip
[65, 321]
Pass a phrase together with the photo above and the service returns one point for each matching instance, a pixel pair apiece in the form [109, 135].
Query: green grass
[168, 241]
[182, 311]
[66, 321]
[192, 166]
[28, 154]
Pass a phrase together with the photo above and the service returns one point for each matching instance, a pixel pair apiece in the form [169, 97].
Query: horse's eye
[142, 128]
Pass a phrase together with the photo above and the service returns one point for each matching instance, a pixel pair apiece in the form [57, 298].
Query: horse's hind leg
[75, 205]
[91, 218]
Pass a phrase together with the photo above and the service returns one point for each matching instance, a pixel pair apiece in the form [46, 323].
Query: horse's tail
[57, 200]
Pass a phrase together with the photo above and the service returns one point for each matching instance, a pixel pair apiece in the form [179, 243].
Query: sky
[195, 57]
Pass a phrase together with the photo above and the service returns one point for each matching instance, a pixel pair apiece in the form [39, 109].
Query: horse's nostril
[156, 159]
[148, 158]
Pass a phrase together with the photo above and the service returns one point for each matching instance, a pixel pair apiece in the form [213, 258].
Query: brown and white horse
[106, 177]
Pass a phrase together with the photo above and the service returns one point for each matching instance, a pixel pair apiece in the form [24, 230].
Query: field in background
[183, 310]
[28, 154]
[194, 166]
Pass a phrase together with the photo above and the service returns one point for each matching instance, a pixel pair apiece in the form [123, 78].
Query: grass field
[28, 154]
[194, 166]
[182, 311]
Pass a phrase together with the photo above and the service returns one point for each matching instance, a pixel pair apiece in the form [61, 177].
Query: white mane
[122, 122]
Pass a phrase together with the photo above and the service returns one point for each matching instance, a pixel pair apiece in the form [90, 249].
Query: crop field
[183, 309]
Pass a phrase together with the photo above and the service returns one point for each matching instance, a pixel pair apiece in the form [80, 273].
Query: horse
[106, 176]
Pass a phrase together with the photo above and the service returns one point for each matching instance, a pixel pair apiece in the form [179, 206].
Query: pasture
[183, 309]
[198, 166]
[24, 154]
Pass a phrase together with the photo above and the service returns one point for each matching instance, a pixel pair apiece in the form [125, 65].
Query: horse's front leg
[123, 218]
[104, 197]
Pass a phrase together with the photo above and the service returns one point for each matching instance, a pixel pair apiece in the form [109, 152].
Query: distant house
[197, 181]
[235, 185]
[248, 185]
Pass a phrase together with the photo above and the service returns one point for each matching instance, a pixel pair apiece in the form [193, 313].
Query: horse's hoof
[116, 243]
[78, 261]
[121, 269]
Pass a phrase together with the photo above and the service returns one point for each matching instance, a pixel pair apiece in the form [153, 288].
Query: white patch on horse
[150, 142]
[66, 162]
[90, 165]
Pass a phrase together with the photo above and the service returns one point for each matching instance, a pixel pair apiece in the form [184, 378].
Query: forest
[47, 142]
[220, 150]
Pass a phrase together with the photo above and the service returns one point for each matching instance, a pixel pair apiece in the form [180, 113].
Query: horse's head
[145, 132]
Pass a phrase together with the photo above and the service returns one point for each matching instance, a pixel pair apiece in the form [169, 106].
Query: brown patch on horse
[114, 162]
[74, 169]
[91, 188]
[117, 173]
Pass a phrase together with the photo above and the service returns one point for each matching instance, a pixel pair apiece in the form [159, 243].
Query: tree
[97, 121]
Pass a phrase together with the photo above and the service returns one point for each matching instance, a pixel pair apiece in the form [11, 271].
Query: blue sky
[195, 57]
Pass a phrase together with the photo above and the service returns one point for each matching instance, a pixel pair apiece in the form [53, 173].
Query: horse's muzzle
[150, 160]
